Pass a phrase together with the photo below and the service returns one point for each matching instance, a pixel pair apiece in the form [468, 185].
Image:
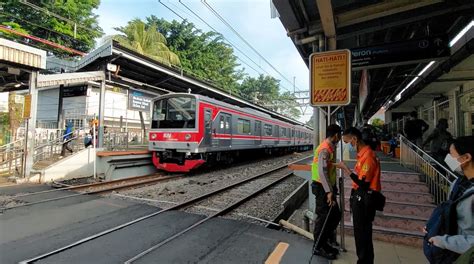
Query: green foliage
[26, 19]
[377, 122]
[204, 54]
[146, 40]
[264, 90]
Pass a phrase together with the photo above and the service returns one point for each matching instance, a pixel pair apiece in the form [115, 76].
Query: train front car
[175, 133]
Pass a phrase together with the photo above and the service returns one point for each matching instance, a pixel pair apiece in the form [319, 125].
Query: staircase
[408, 206]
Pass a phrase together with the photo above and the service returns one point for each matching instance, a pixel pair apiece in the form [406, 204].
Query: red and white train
[188, 130]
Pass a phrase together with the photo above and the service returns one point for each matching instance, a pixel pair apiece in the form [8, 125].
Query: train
[188, 130]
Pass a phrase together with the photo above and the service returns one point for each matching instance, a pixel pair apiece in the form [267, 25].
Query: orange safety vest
[368, 167]
[331, 168]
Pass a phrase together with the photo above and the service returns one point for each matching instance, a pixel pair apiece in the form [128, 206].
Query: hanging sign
[330, 78]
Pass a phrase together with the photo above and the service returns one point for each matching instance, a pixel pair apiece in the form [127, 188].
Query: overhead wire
[226, 39]
[206, 4]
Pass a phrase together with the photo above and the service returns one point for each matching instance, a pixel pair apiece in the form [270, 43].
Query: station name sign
[140, 101]
[400, 53]
[330, 78]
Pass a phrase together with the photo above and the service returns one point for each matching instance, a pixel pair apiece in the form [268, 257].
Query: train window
[283, 132]
[174, 112]
[221, 123]
[243, 126]
[268, 129]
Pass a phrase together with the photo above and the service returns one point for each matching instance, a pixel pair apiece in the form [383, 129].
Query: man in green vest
[324, 188]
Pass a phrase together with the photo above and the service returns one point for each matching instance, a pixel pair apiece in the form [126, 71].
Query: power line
[44, 10]
[233, 45]
[243, 39]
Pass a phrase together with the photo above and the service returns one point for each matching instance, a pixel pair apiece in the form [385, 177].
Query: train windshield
[174, 112]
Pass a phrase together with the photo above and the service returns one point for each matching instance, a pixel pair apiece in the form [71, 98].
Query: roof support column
[30, 130]
[101, 114]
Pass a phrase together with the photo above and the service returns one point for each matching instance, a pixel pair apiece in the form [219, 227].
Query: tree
[204, 54]
[264, 90]
[26, 19]
[146, 40]
[377, 122]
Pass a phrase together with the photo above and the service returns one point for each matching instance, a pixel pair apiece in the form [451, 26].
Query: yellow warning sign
[27, 106]
[330, 77]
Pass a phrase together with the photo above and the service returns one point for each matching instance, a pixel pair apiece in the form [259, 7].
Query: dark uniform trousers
[363, 214]
[322, 210]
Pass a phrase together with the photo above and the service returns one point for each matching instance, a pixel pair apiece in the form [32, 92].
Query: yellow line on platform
[277, 253]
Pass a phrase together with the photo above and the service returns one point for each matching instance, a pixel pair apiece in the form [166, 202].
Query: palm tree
[147, 41]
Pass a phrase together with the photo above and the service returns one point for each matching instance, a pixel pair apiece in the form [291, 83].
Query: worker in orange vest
[365, 189]
[324, 177]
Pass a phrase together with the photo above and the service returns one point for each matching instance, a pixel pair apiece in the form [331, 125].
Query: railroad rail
[184, 204]
[94, 188]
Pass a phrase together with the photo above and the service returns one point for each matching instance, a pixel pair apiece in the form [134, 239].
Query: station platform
[397, 230]
[33, 230]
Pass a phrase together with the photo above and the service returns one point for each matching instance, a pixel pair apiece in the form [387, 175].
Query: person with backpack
[450, 229]
[67, 136]
[440, 140]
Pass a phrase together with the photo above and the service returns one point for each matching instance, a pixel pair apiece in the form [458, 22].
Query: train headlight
[187, 136]
[153, 136]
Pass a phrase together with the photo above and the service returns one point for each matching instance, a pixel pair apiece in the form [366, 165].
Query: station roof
[364, 23]
[16, 61]
[141, 72]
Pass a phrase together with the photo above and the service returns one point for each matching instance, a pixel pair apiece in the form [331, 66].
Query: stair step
[395, 221]
[402, 196]
[397, 185]
[400, 176]
[403, 208]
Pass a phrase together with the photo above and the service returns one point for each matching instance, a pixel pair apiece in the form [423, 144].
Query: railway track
[267, 180]
[93, 188]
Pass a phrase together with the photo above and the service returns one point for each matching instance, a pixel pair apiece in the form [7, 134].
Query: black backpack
[443, 221]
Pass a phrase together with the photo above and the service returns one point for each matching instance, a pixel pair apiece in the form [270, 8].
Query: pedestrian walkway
[386, 253]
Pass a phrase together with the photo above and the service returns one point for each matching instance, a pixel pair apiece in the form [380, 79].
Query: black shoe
[325, 254]
[330, 249]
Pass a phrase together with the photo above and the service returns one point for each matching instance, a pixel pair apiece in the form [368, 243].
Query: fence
[11, 158]
[438, 178]
[124, 140]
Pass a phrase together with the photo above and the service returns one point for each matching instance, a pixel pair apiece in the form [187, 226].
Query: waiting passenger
[440, 140]
[460, 160]
[415, 128]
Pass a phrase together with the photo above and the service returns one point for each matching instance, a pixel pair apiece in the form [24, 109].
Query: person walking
[415, 128]
[366, 181]
[460, 160]
[324, 188]
[66, 139]
[440, 140]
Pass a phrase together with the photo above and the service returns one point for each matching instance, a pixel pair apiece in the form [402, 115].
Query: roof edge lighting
[420, 74]
[461, 33]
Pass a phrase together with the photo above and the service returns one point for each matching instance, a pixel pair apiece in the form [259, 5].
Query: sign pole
[330, 76]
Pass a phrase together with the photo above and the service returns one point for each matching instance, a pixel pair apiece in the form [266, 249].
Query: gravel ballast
[266, 205]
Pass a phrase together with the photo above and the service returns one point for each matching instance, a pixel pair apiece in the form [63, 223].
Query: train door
[207, 127]
[258, 133]
[277, 134]
[225, 130]
[293, 137]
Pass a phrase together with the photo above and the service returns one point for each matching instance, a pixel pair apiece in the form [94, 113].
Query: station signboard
[73, 91]
[330, 78]
[27, 107]
[400, 53]
[139, 101]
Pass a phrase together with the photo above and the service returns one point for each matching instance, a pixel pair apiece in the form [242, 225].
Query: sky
[250, 18]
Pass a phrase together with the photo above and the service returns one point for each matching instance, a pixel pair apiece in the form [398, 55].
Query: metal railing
[11, 158]
[52, 150]
[124, 140]
[438, 178]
